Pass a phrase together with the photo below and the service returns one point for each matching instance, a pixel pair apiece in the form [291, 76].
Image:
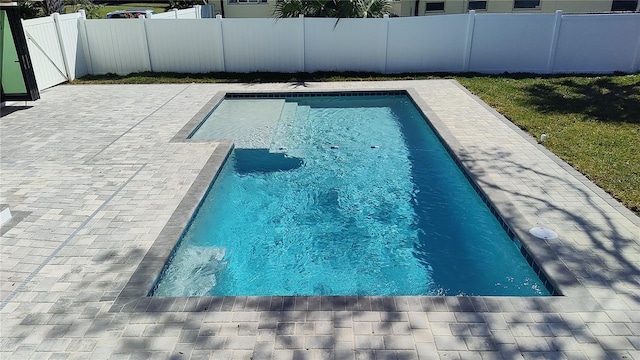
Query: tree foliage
[91, 10]
[34, 9]
[184, 4]
[29, 10]
[332, 8]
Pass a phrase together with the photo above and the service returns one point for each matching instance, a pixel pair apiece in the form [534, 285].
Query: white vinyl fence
[486, 43]
[196, 12]
[55, 51]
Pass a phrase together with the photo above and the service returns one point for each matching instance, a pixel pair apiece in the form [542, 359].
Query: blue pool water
[342, 196]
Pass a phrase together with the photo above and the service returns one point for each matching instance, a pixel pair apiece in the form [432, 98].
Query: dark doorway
[16, 71]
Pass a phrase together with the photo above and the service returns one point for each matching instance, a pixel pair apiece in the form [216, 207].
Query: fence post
[221, 38]
[146, 42]
[175, 13]
[302, 35]
[56, 23]
[85, 41]
[466, 62]
[386, 42]
[635, 64]
[198, 10]
[554, 42]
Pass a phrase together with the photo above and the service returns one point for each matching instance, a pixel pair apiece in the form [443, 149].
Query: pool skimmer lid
[543, 233]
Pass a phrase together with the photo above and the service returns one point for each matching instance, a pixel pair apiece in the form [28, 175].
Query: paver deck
[93, 175]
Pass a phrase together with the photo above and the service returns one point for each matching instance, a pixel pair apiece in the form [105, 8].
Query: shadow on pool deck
[312, 323]
[603, 263]
[7, 110]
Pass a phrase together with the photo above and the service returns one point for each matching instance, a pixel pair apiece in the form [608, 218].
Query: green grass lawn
[591, 122]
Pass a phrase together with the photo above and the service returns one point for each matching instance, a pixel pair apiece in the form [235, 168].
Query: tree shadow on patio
[608, 259]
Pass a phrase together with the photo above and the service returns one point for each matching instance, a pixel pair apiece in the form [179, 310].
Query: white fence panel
[207, 11]
[544, 43]
[45, 51]
[117, 46]
[262, 45]
[416, 44]
[164, 15]
[188, 13]
[348, 45]
[598, 43]
[73, 48]
[511, 42]
[191, 13]
[188, 46]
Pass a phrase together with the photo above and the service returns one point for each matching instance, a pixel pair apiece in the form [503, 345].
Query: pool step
[279, 142]
[284, 139]
[251, 123]
[302, 113]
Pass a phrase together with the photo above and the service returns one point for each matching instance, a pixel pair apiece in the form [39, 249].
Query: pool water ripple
[365, 200]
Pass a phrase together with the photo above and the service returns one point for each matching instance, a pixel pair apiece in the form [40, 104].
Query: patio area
[95, 176]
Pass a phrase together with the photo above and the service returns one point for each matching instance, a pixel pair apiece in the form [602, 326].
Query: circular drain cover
[543, 233]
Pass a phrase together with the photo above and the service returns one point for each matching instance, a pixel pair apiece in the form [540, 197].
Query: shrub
[91, 10]
[30, 10]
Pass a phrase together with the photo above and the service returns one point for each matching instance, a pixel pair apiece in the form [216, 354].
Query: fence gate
[46, 51]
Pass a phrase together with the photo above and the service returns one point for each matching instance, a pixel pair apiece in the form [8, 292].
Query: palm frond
[338, 9]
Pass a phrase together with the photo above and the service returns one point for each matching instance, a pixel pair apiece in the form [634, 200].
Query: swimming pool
[341, 196]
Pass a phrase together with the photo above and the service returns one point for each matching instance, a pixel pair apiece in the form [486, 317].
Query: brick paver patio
[94, 174]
